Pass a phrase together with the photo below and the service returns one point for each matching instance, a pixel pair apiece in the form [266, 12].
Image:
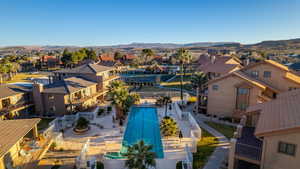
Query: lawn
[23, 77]
[44, 123]
[205, 147]
[226, 130]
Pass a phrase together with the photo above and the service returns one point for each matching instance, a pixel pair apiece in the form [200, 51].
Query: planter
[81, 131]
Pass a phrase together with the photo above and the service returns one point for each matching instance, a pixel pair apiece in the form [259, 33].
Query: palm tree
[184, 57]
[140, 156]
[168, 127]
[166, 100]
[121, 98]
[198, 80]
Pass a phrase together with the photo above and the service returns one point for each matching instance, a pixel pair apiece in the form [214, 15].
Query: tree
[91, 54]
[168, 127]
[66, 57]
[118, 55]
[166, 100]
[198, 79]
[184, 57]
[139, 156]
[121, 98]
[147, 55]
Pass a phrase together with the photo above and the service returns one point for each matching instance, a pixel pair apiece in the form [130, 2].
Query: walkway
[216, 160]
[221, 152]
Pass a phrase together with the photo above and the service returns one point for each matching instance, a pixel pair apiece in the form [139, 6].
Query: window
[292, 88]
[267, 74]
[254, 74]
[286, 148]
[51, 97]
[242, 106]
[215, 87]
[243, 91]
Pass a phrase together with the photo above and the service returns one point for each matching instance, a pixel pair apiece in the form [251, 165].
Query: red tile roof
[106, 57]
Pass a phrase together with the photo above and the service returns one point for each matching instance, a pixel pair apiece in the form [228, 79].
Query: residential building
[73, 89]
[216, 66]
[15, 101]
[231, 94]
[20, 140]
[268, 136]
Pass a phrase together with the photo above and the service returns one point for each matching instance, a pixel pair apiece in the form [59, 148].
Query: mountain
[273, 44]
[169, 45]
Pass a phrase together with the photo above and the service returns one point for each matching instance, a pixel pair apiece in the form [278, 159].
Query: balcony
[248, 147]
[112, 77]
[86, 98]
[15, 107]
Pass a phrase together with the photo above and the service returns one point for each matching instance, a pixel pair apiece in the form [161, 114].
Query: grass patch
[226, 130]
[205, 147]
[24, 77]
[44, 123]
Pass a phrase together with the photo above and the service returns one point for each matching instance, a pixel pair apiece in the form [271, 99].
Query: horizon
[110, 23]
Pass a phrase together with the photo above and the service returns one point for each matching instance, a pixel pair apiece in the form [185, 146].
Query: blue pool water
[143, 124]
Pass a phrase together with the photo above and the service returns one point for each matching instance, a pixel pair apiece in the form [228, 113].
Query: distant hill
[277, 44]
[170, 45]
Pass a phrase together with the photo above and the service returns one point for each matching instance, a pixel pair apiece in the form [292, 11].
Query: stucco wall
[277, 78]
[223, 101]
[275, 160]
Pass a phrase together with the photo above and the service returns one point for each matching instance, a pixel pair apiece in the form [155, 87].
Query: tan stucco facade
[222, 102]
[272, 159]
[277, 78]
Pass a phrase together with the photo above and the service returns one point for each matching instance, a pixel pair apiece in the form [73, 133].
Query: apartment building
[73, 90]
[268, 136]
[20, 140]
[231, 94]
[15, 101]
[216, 66]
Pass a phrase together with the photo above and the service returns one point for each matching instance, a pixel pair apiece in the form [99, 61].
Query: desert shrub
[100, 112]
[168, 127]
[100, 165]
[82, 123]
[109, 108]
[179, 165]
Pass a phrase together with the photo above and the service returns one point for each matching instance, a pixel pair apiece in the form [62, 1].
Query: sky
[110, 22]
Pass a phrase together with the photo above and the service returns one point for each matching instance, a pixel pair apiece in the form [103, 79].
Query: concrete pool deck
[109, 139]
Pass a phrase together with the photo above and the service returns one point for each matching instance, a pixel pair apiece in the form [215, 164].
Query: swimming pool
[143, 124]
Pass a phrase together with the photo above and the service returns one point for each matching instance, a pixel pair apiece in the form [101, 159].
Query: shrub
[82, 123]
[168, 127]
[179, 165]
[53, 146]
[100, 112]
[100, 165]
[109, 108]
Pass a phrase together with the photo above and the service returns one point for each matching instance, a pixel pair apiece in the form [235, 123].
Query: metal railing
[248, 151]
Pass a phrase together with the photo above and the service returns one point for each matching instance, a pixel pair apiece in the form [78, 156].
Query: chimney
[100, 83]
[37, 98]
[213, 59]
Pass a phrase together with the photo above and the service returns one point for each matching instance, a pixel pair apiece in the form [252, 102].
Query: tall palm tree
[198, 80]
[184, 57]
[140, 156]
[120, 97]
[166, 100]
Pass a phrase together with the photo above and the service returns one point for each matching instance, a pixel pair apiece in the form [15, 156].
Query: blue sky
[107, 22]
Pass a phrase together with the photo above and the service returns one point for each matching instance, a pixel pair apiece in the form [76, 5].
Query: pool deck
[109, 139]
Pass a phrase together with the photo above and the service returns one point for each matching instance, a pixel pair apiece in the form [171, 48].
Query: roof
[68, 85]
[106, 57]
[86, 68]
[247, 78]
[281, 114]
[271, 62]
[130, 56]
[45, 58]
[11, 90]
[218, 66]
[295, 66]
[11, 131]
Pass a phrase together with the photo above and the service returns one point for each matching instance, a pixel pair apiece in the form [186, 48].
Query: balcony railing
[15, 106]
[248, 151]
[248, 146]
[85, 98]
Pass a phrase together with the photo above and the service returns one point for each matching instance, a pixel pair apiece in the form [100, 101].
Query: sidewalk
[221, 152]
